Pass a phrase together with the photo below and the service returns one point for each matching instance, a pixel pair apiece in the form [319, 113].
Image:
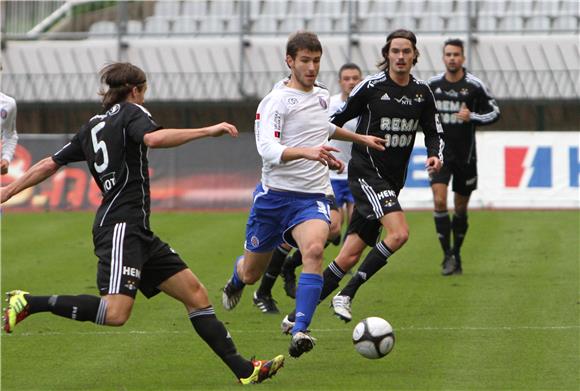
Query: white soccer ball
[373, 337]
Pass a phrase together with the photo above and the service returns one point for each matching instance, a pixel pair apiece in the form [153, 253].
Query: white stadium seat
[185, 25]
[538, 23]
[157, 26]
[167, 8]
[103, 29]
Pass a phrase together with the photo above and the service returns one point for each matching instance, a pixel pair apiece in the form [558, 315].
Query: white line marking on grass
[261, 331]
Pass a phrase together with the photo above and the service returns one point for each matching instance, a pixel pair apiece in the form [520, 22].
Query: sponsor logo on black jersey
[452, 93]
[114, 110]
[385, 97]
[404, 100]
[464, 91]
[438, 90]
[419, 98]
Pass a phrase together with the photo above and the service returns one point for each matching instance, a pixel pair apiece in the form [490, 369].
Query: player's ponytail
[121, 78]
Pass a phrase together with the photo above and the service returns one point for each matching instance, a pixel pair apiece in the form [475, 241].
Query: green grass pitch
[511, 322]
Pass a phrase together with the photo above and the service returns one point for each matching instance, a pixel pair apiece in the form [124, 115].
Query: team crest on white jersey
[385, 97]
[404, 100]
[292, 101]
[323, 102]
[3, 114]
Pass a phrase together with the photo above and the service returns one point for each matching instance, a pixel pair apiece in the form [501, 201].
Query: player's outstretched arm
[323, 154]
[36, 174]
[369, 141]
[168, 138]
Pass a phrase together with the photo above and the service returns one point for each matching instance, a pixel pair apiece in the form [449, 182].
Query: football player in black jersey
[392, 105]
[463, 102]
[131, 257]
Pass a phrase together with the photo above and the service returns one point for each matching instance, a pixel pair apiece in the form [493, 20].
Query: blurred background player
[463, 102]
[290, 205]
[392, 105]
[8, 128]
[114, 144]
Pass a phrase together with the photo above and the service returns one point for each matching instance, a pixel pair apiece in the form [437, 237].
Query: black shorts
[368, 230]
[464, 177]
[374, 197]
[131, 258]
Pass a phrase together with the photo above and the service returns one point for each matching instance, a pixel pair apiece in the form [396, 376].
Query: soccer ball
[373, 337]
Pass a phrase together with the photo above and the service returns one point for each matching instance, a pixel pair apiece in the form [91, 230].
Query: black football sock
[273, 271]
[459, 226]
[82, 307]
[294, 261]
[443, 228]
[374, 261]
[332, 276]
[215, 334]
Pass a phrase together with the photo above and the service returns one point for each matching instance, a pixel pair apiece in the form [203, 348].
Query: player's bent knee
[399, 237]
[117, 318]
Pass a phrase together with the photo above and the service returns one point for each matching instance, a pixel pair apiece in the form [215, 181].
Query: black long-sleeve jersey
[459, 135]
[392, 112]
[112, 145]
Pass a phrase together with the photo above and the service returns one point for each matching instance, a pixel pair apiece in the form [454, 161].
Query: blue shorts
[275, 213]
[341, 192]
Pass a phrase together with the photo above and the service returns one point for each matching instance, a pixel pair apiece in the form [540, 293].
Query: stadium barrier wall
[534, 170]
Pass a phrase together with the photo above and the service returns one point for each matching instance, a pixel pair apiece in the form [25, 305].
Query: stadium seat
[385, 8]
[538, 23]
[212, 24]
[134, 27]
[440, 7]
[374, 23]
[197, 8]
[565, 23]
[159, 26]
[265, 24]
[321, 24]
[431, 23]
[302, 8]
[404, 21]
[167, 8]
[511, 23]
[233, 24]
[457, 22]
[413, 7]
[185, 25]
[546, 8]
[341, 24]
[103, 29]
[334, 8]
[224, 7]
[520, 7]
[291, 24]
[487, 23]
[276, 8]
